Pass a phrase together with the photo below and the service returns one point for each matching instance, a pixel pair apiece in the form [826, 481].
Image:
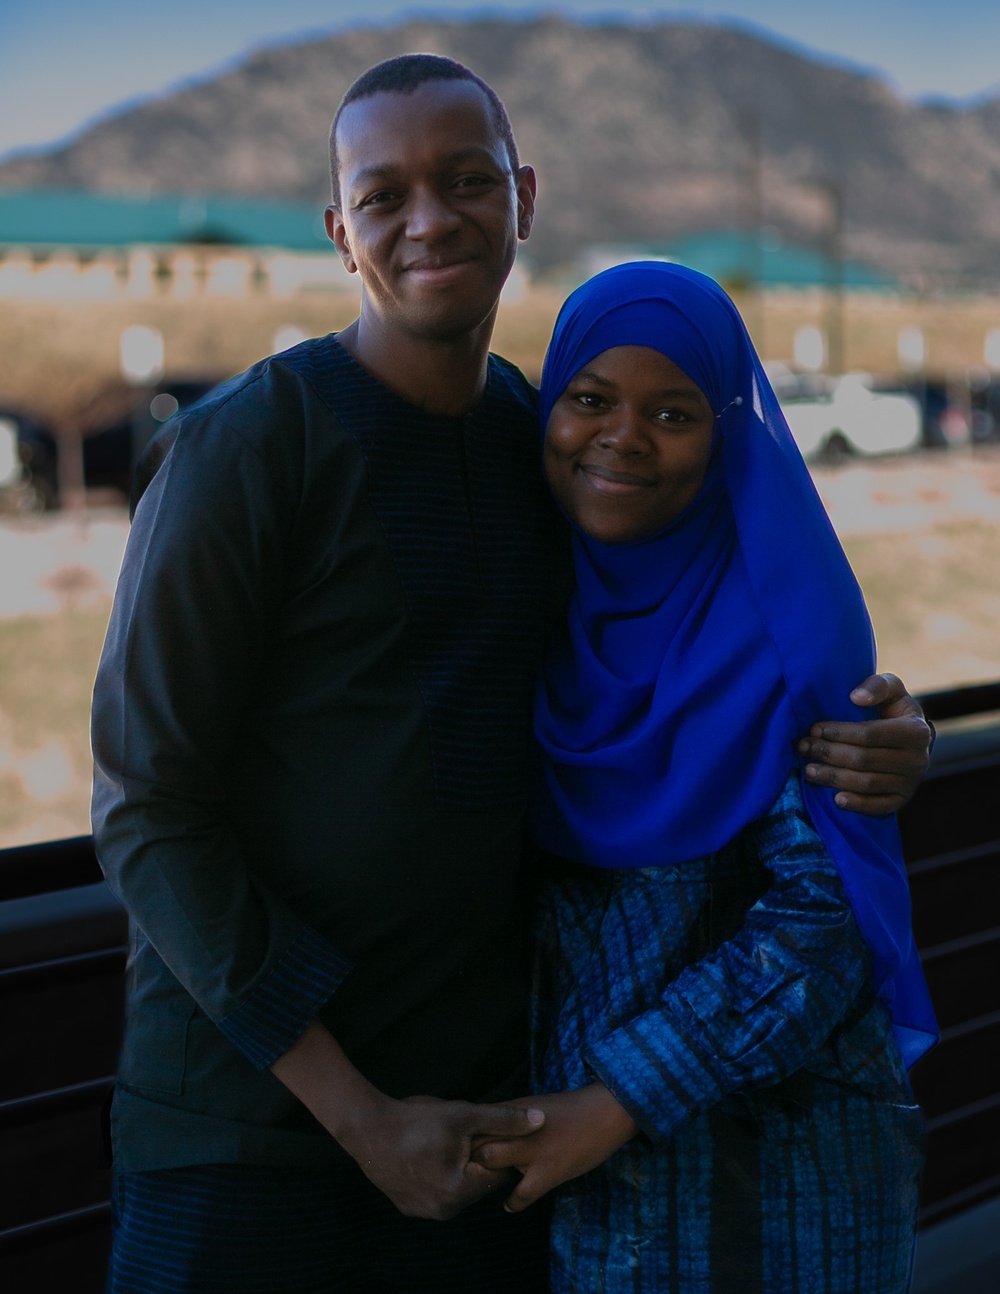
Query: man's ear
[337, 234]
[525, 186]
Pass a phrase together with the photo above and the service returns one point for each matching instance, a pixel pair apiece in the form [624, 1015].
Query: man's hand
[418, 1151]
[875, 766]
[582, 1128]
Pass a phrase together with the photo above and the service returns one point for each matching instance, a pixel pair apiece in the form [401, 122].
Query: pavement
[961, 1255]
[51, 561]
[912, 491]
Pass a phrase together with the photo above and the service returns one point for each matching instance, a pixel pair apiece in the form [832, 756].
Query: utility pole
[753, 221]
[836, 345]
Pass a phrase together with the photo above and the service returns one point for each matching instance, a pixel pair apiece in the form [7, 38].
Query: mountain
[638, 132]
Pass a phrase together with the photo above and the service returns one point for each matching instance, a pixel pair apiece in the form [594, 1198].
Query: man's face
[431, 213]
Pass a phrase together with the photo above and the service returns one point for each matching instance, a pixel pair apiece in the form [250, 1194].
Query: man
[310, 730]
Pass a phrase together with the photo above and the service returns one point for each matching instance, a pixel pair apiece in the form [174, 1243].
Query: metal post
[835, 275]
[753, 219]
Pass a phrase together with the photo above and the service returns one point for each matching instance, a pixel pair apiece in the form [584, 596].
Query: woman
[728, 991]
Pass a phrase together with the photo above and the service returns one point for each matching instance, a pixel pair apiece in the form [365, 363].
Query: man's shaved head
[405, 74]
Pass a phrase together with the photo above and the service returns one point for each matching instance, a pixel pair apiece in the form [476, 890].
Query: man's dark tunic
[310, 727]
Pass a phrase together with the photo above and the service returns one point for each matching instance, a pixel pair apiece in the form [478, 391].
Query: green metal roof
[48, 218]
[730, 257]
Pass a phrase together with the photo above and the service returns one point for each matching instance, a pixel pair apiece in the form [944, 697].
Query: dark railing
[62, 958]
[62, 961]
[951, 837]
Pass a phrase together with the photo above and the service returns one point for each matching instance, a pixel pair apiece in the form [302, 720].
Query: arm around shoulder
[876, 766]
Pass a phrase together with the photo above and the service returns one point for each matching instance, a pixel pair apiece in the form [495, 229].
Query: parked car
[11, 468]
[27, 464]
[110, 453]
[945, 418]
[985, 410]
[831, 419]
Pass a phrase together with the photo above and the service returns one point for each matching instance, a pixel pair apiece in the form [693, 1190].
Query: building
[67, 244]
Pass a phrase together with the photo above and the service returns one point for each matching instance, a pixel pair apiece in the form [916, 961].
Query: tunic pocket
[159, 1012]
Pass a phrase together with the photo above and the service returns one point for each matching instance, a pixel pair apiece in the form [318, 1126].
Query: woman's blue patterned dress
[728, 1005]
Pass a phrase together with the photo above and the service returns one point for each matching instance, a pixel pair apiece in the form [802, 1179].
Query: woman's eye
[588, 400]
[673, 415]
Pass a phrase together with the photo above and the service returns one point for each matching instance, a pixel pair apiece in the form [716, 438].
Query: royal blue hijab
[667, 712]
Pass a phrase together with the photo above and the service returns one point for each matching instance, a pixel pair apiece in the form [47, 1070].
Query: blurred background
[162, 183]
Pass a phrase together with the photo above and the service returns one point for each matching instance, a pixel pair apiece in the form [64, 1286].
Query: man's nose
[431, 216]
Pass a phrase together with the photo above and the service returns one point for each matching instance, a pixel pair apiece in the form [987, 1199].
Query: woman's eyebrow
[679, 392]
[668, 393]
[588, 375]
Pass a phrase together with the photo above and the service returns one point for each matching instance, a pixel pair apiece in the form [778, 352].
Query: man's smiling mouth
[430, 266]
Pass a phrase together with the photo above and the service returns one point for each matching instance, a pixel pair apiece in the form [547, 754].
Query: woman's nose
[621, 432]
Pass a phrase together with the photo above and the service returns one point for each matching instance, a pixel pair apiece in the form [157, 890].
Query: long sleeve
[753, 1011]
[185, 660]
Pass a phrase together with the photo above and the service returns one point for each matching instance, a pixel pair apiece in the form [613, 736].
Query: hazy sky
[65, 62]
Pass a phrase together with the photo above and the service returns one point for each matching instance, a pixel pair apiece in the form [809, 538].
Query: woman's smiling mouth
[608, 481]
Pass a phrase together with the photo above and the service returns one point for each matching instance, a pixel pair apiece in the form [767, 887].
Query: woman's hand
[417, 1151]
[582, 1128]
[876, 766]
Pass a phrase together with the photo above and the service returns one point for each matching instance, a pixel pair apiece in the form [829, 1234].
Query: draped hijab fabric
[691, 660]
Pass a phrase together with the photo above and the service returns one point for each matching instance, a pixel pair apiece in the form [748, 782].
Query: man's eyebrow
[388, 171]
[372, 174]
[472, 153]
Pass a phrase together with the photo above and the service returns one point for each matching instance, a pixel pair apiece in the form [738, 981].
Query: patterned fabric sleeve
[276, 1012]
[752, 1012]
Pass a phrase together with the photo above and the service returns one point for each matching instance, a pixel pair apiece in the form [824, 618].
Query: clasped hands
[419, 1151]
[433, 1158]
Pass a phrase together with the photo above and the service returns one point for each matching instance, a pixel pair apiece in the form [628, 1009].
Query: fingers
[477, 1182]
[870, 806]
[889, 693]
[480, 1181]
[503, 1121]
[910, 736]
[499, 1154]
[528, 1191]
[870, 768]
[879, 689]
[854, 768]
[857, 782]
[874, 794]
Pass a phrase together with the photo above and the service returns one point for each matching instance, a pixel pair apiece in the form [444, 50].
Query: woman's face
[627, 444]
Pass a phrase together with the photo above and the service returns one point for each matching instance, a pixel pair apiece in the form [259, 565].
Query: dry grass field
[57, 356]
[47, 667]
[923, 534]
